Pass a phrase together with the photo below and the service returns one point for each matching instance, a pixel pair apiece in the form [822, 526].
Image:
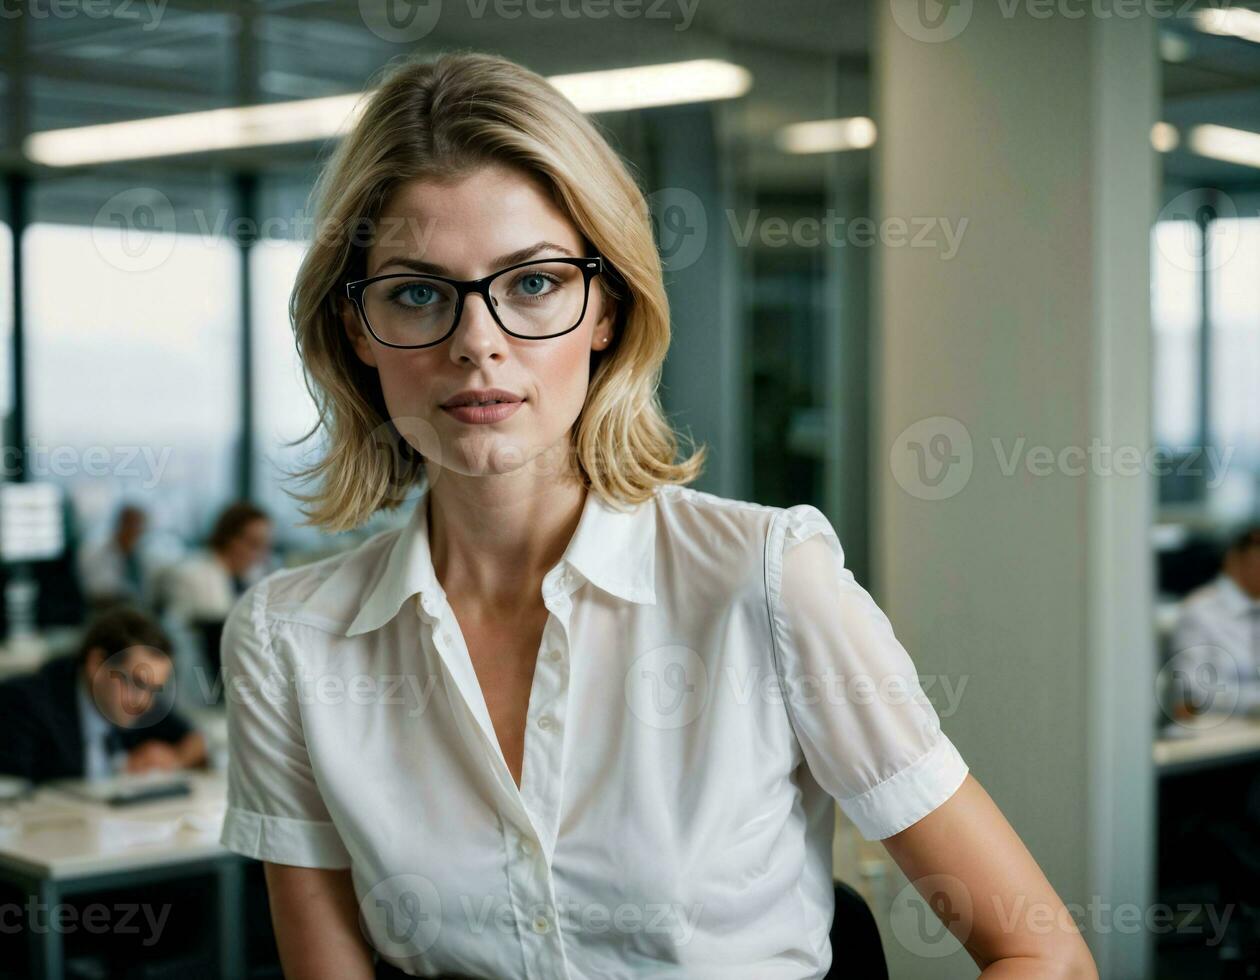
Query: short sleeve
[869, 735]
[275, 811]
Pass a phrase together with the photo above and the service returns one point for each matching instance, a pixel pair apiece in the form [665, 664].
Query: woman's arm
[316, 920]
[973, 871]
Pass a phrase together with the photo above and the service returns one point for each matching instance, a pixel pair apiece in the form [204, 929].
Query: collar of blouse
[613, 549]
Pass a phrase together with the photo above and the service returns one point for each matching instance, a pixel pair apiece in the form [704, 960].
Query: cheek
[405, 382]
[562, 378]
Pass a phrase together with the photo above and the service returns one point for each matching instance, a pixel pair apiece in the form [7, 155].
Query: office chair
[856, 949]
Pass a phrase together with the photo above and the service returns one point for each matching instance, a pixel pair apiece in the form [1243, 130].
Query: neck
[494, 538]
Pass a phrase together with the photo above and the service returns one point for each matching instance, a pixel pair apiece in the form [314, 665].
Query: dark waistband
[387, 971]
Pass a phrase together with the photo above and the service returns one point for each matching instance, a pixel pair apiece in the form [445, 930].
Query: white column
[1019, 355]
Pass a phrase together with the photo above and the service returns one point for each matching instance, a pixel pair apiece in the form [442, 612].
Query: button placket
[541, 774]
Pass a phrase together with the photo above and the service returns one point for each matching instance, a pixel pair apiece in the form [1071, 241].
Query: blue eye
[534, 284]
[415, 294]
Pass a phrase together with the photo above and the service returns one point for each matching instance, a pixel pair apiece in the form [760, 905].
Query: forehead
[465, 220]
[146, 659]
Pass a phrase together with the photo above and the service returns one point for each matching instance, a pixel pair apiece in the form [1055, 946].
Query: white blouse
[710, 677]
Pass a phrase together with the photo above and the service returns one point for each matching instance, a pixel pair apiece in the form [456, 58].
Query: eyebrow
[511, 258]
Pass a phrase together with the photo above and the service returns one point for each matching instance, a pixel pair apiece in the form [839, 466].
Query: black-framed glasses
[532, 300]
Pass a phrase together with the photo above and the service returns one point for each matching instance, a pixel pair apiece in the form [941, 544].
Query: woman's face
[463, 229]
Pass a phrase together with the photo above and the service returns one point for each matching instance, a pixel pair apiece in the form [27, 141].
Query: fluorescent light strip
[1164, 137]
[827, 135]
[1230, 22]
[1239, 146]
[194, 132]
[703, 80]
[302, 120]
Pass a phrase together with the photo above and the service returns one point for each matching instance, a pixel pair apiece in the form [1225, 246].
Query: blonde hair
[438, 120]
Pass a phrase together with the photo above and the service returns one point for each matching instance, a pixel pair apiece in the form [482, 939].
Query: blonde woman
[574, 719]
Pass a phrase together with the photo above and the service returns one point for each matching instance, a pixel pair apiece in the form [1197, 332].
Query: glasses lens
[540, 299]
[410, 310]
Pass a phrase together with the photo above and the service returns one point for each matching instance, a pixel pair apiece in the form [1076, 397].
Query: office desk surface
[61, 836]
[1212, 741]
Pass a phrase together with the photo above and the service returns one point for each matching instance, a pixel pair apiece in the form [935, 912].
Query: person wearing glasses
[100, 713]
[573, 718]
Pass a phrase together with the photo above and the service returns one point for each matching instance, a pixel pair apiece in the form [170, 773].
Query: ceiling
[808, 59]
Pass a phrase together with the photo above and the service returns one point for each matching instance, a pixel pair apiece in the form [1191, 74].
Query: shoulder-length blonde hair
[437, 120]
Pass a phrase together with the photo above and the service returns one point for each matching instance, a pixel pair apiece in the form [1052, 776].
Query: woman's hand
[972, 869]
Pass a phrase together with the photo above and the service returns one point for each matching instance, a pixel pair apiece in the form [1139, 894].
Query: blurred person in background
[104, 711]
[114, 568]
[199, 592]
[1216, 641]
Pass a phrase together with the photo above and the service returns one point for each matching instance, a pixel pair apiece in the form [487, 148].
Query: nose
[477, 336]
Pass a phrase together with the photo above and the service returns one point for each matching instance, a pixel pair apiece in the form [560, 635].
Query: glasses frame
[590, 266]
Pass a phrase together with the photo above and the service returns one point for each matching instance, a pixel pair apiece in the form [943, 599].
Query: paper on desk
[120, 833]
[206, 823]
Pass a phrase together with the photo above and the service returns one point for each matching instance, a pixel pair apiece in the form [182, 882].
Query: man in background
[112, 569]
[106, 710]
[1216, 642]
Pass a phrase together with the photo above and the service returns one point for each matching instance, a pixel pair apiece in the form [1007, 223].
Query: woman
[198, 593]
[574, 719]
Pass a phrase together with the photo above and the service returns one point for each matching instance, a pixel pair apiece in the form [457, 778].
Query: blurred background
[979, 280]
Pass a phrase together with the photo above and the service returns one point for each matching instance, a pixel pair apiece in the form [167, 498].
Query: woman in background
[199, 592]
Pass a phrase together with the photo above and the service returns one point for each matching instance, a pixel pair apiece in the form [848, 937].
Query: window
[133, 359]
[283, 408]
[1234, 411]
[1176, 316]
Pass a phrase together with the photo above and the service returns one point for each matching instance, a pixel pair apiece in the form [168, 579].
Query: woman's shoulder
[715, 528]
[325, 593]
[713, 511]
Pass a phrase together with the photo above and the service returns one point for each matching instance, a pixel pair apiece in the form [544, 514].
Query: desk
[1216, 742]
[60, 850]
[29, 654]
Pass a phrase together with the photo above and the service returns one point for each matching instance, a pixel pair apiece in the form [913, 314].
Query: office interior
[1019, 238]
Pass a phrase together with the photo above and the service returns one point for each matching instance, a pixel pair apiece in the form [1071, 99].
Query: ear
[93, 661]
[604, 331]
[356, 332]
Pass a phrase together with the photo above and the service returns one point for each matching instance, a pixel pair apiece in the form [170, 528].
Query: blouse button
[446, 637]
[541, 924]
[546, 723]
[527, 847]
[553, 655]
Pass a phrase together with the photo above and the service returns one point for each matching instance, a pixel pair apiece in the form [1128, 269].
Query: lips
[482, 396]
